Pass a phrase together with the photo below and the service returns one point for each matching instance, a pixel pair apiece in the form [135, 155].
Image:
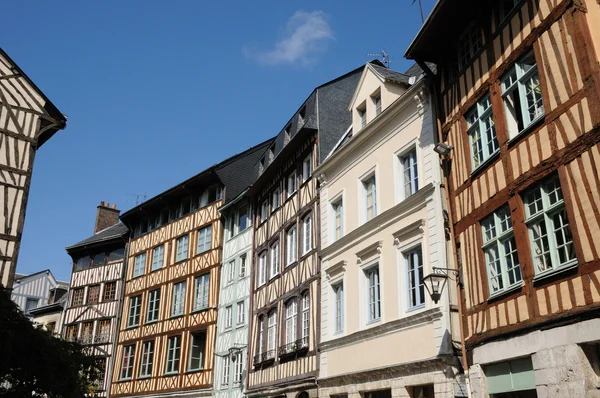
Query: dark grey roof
[391, 75]
[111, 233]
[416, 70]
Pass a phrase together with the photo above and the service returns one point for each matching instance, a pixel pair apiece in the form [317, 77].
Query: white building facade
[382, 230]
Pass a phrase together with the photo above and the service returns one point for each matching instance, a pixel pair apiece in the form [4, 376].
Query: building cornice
[411, 203]
[418, 319]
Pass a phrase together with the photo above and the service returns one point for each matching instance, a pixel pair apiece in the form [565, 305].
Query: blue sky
[157, 91]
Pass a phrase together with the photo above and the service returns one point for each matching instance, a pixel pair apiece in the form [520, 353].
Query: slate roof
[116, 231]
[392, 75]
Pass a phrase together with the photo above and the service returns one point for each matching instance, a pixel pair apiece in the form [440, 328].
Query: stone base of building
[305, 389]
[562, 362]
[437, 378]
[175, 394]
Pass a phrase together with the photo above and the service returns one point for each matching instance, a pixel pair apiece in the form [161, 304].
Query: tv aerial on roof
[385, 57]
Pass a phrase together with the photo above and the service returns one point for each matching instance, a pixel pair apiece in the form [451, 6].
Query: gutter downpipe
[446, 170]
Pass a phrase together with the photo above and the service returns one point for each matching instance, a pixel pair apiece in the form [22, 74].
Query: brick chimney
[106, 216]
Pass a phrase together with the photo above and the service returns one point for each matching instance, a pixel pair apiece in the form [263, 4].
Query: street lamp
[436, 281]
[442, 148]
[233, 352]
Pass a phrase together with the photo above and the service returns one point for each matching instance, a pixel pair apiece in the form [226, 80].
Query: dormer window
[377, 103]
[286, 134]
[362, 116]
[301, 115]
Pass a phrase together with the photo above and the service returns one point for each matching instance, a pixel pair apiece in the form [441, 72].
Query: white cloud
[305, 37]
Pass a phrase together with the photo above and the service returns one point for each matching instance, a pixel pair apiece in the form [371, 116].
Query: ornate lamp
[436, 281]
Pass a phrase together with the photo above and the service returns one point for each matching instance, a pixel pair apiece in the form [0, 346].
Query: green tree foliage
[33, 363]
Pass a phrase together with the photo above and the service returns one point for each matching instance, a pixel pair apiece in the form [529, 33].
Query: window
[158, 255]
[103, 331]
[271, 334]
[275, 202]
[210, 195]
[338, 213]
[93, 295]
[374, 294]
[153, 306]
[147, 359]
[135, 304]
[231, 272]
[138, 265]
[516, 376]
[370, 198]
[307, 168]
[522, 95]
[500, 250]
[127, 364]
[261, 335]
[549, 230]
[71, 333]
[291, 184]
[173, 354]
[204, 239]
[506, 6]
[178, 304]
[100, 259]
[83, 263]
[225, 378]
[307, 234]
[242, 266]
[481, 131]
[291, 321]
[377, 104]
[241, 313]
[239, 368]
[274, 266]
[201, 285]
[414, 270]
[262, 269]
[242, 218]
[362, 117]
[31, 303]
[77, 297]
[182, 248]
[264, 210]
[110, 291]
[228, 316]
[197, 351]
[305, 319]
[338, 291]
[292, 245]
[87, 333]
[116, 254]
[469, 45]
[410, 173]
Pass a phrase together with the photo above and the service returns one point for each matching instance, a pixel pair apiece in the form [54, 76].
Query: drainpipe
[446, 171]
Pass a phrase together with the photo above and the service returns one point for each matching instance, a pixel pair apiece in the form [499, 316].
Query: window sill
[144, 377]
[151, 322]
[514, 140]
[505, 292]
[180, 261]
[240, 325]
[415, 308]
[277, 275]
[485, 164]
[170, 374]
[191, 371]
[197, 310]
[136, 276]
[291, 264]
[131, 327]
[369, 323]
[176, 316]
[125, 380]
[227, 328]
[554, 272]
[156, 269]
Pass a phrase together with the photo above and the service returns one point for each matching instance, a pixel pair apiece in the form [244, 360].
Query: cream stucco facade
[382, 230]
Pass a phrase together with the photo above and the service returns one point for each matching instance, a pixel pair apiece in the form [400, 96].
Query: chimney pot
[114, 206]
[102, 203]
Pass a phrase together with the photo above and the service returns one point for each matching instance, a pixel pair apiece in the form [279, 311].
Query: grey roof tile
[110, 233]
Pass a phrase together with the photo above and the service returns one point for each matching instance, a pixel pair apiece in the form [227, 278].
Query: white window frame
[500, 252]
[204, 239]
[183, 248]
[201, 291]
[362, 116]
[482, 132]
[413, 259]
[409, 172]
[377, 108]
[519, 78]
[243, 266]
[158, 257]
[238, 368]
[275, 199]
[230, 272]
[127, 361]
[153, 312]
[291, 184]
[147, 361]
[338, 307]
[469, 44]
[369, 188]
[291, 247]
[261, 335]
[337, 204]
[173, 355]
[307, 168]
[307, 234]
[228, 316]
[139, 264]
[178, 299]
[262, 268]
[271, 333]
[549, 211]
[264, 210]
[291, 321]
[373, 292]
[241, 312]
[201, 335]
[135, 306]
[305, 331]
[225, 375]
[275, 254]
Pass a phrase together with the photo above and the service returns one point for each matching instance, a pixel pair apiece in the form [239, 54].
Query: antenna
[385, 57]
[138, 196]
[420, 8]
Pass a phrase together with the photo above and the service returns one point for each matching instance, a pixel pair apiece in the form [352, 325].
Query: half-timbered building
[27, 120]
[96, 291]
[169, 318]
[382, 230]
[518, 100]
[285, 275]
[36, 290]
